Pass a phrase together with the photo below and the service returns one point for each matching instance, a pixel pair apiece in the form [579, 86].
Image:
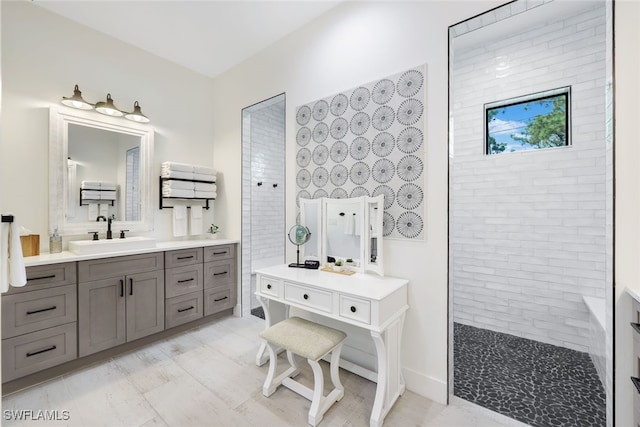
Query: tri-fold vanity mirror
[345, 229]
[99, 168]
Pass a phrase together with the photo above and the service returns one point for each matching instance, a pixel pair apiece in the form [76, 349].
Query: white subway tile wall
[528, 229]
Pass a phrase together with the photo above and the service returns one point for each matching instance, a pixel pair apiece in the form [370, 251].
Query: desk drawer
[31, 311]
[183, 280]
[355, 309]
[183, 309]
[310, 297]
[29, 353]
[270, 286]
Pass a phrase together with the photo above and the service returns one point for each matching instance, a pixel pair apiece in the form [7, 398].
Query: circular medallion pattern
[320, 155]
[388, 224]
[383, 91]
[409, 196]
[382, 144]
[303, 158]
[387, 192]
[320, 177]
[359, 191]
[303, 115]
[339, 193]
[359, 173]
[410, 168]
[383, 118]
[320, 193]
[383, 170]
[339, 175]
[359, 148]
[410, 140]
[339, 128]
[303, 178]
[320, 132]
[360, 123]
[320, 110]
[339, 104]
[303, 136]
[339, 151]
[360, 98]
[410, 111]
[409, 224]
[410, 83]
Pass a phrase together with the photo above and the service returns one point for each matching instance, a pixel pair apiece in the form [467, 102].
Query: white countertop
[633, 293]
[66, 256]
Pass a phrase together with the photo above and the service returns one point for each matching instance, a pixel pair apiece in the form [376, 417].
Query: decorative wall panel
[368, 141]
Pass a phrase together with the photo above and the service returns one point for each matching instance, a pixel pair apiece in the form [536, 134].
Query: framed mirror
[373, 245]
[99, 166]
[311, 217]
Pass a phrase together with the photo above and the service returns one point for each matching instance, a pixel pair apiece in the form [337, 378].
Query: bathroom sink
[87, 247]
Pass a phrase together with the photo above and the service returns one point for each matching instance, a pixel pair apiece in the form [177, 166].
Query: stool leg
[315, 413]
[268, 388]
[335, 371]
[292, 361]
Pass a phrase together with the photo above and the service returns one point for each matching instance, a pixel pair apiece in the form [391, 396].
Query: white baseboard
[426, 386]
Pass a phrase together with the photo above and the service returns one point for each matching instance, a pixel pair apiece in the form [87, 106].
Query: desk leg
[390, 379]
[274, 312]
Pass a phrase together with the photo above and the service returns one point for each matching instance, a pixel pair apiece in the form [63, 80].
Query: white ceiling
[206, 36]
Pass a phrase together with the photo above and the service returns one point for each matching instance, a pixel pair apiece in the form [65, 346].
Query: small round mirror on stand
[299, 235]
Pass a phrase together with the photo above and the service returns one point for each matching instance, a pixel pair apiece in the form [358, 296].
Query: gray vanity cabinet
[119, 300]
[183, 286]
[220, 284]
[39, 321]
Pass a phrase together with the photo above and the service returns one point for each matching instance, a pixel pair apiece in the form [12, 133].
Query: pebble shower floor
[529, 381]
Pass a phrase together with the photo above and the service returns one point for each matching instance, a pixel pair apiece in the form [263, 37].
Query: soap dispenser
[55, 242]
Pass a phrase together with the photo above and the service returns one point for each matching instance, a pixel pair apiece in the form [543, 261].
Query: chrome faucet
[101, 217]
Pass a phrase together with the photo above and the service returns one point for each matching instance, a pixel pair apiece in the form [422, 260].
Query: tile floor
[537, 383]
[208, 377]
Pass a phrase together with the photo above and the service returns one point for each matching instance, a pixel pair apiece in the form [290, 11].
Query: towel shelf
[97, 201]
[162, 198]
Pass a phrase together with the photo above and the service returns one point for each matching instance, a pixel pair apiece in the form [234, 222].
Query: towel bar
[7, 218]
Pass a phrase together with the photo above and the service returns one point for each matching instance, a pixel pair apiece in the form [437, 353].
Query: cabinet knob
[305, 296]
[353, 309]
[268, 286]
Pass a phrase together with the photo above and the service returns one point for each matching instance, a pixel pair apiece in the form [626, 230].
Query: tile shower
[528, 239]
[263, 192]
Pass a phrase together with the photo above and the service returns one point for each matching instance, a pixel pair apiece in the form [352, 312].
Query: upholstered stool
[311, 341]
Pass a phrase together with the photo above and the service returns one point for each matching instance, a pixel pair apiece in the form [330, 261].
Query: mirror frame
[59, 120]
[378, 204]
[314, 204]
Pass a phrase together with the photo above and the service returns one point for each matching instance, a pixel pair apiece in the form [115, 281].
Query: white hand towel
[107, 195]
[91, 194]
[179, 221]
[107, 185]
[90, 185]
[195, 226]
[93, 212]
[206, 194]
[12, 270]
[348, 223]
[178, 185]
[204, 177]
[104, 209]
[174, 174]
[204, 170]
[178, 167]
[201, 186]
[356, 224]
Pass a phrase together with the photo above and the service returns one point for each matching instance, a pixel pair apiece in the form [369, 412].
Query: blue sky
[513, 120]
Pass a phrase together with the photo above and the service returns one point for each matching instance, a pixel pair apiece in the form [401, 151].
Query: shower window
[530, 122]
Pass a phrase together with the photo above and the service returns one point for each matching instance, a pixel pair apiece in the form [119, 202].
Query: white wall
[528, 228]
[627, 206]
[354, 43]
[43, 57]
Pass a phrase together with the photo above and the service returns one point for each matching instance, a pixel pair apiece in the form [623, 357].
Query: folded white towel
[206, 194]
[91, 194]
[12, 269]
[180, 185]
[195, 220]
[93, 211]
[107, 185]
[201, 186]
[107, 195]
[90, 185]
[177, 167]
[204, 177]
[204, 170]
[170, 192]
[179, 221]
[174, 174]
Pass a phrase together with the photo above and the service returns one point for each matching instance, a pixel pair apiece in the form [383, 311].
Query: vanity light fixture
[104, 107]
[108, 108]
[76, 100]
[137, 115]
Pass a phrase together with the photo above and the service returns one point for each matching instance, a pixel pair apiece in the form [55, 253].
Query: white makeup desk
[377, 304]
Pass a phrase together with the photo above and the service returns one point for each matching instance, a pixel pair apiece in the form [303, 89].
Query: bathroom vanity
[77, 309]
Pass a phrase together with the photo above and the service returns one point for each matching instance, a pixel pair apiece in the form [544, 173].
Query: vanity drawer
[355, 309]
[182, 257]
[183, 280]
[270, 286]
[215, 253]
[29, 353]
[310, 297]
[32, 311]
[183, 309]
[219, 274]
[216, 300]
[105, 268]
[47, 276]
